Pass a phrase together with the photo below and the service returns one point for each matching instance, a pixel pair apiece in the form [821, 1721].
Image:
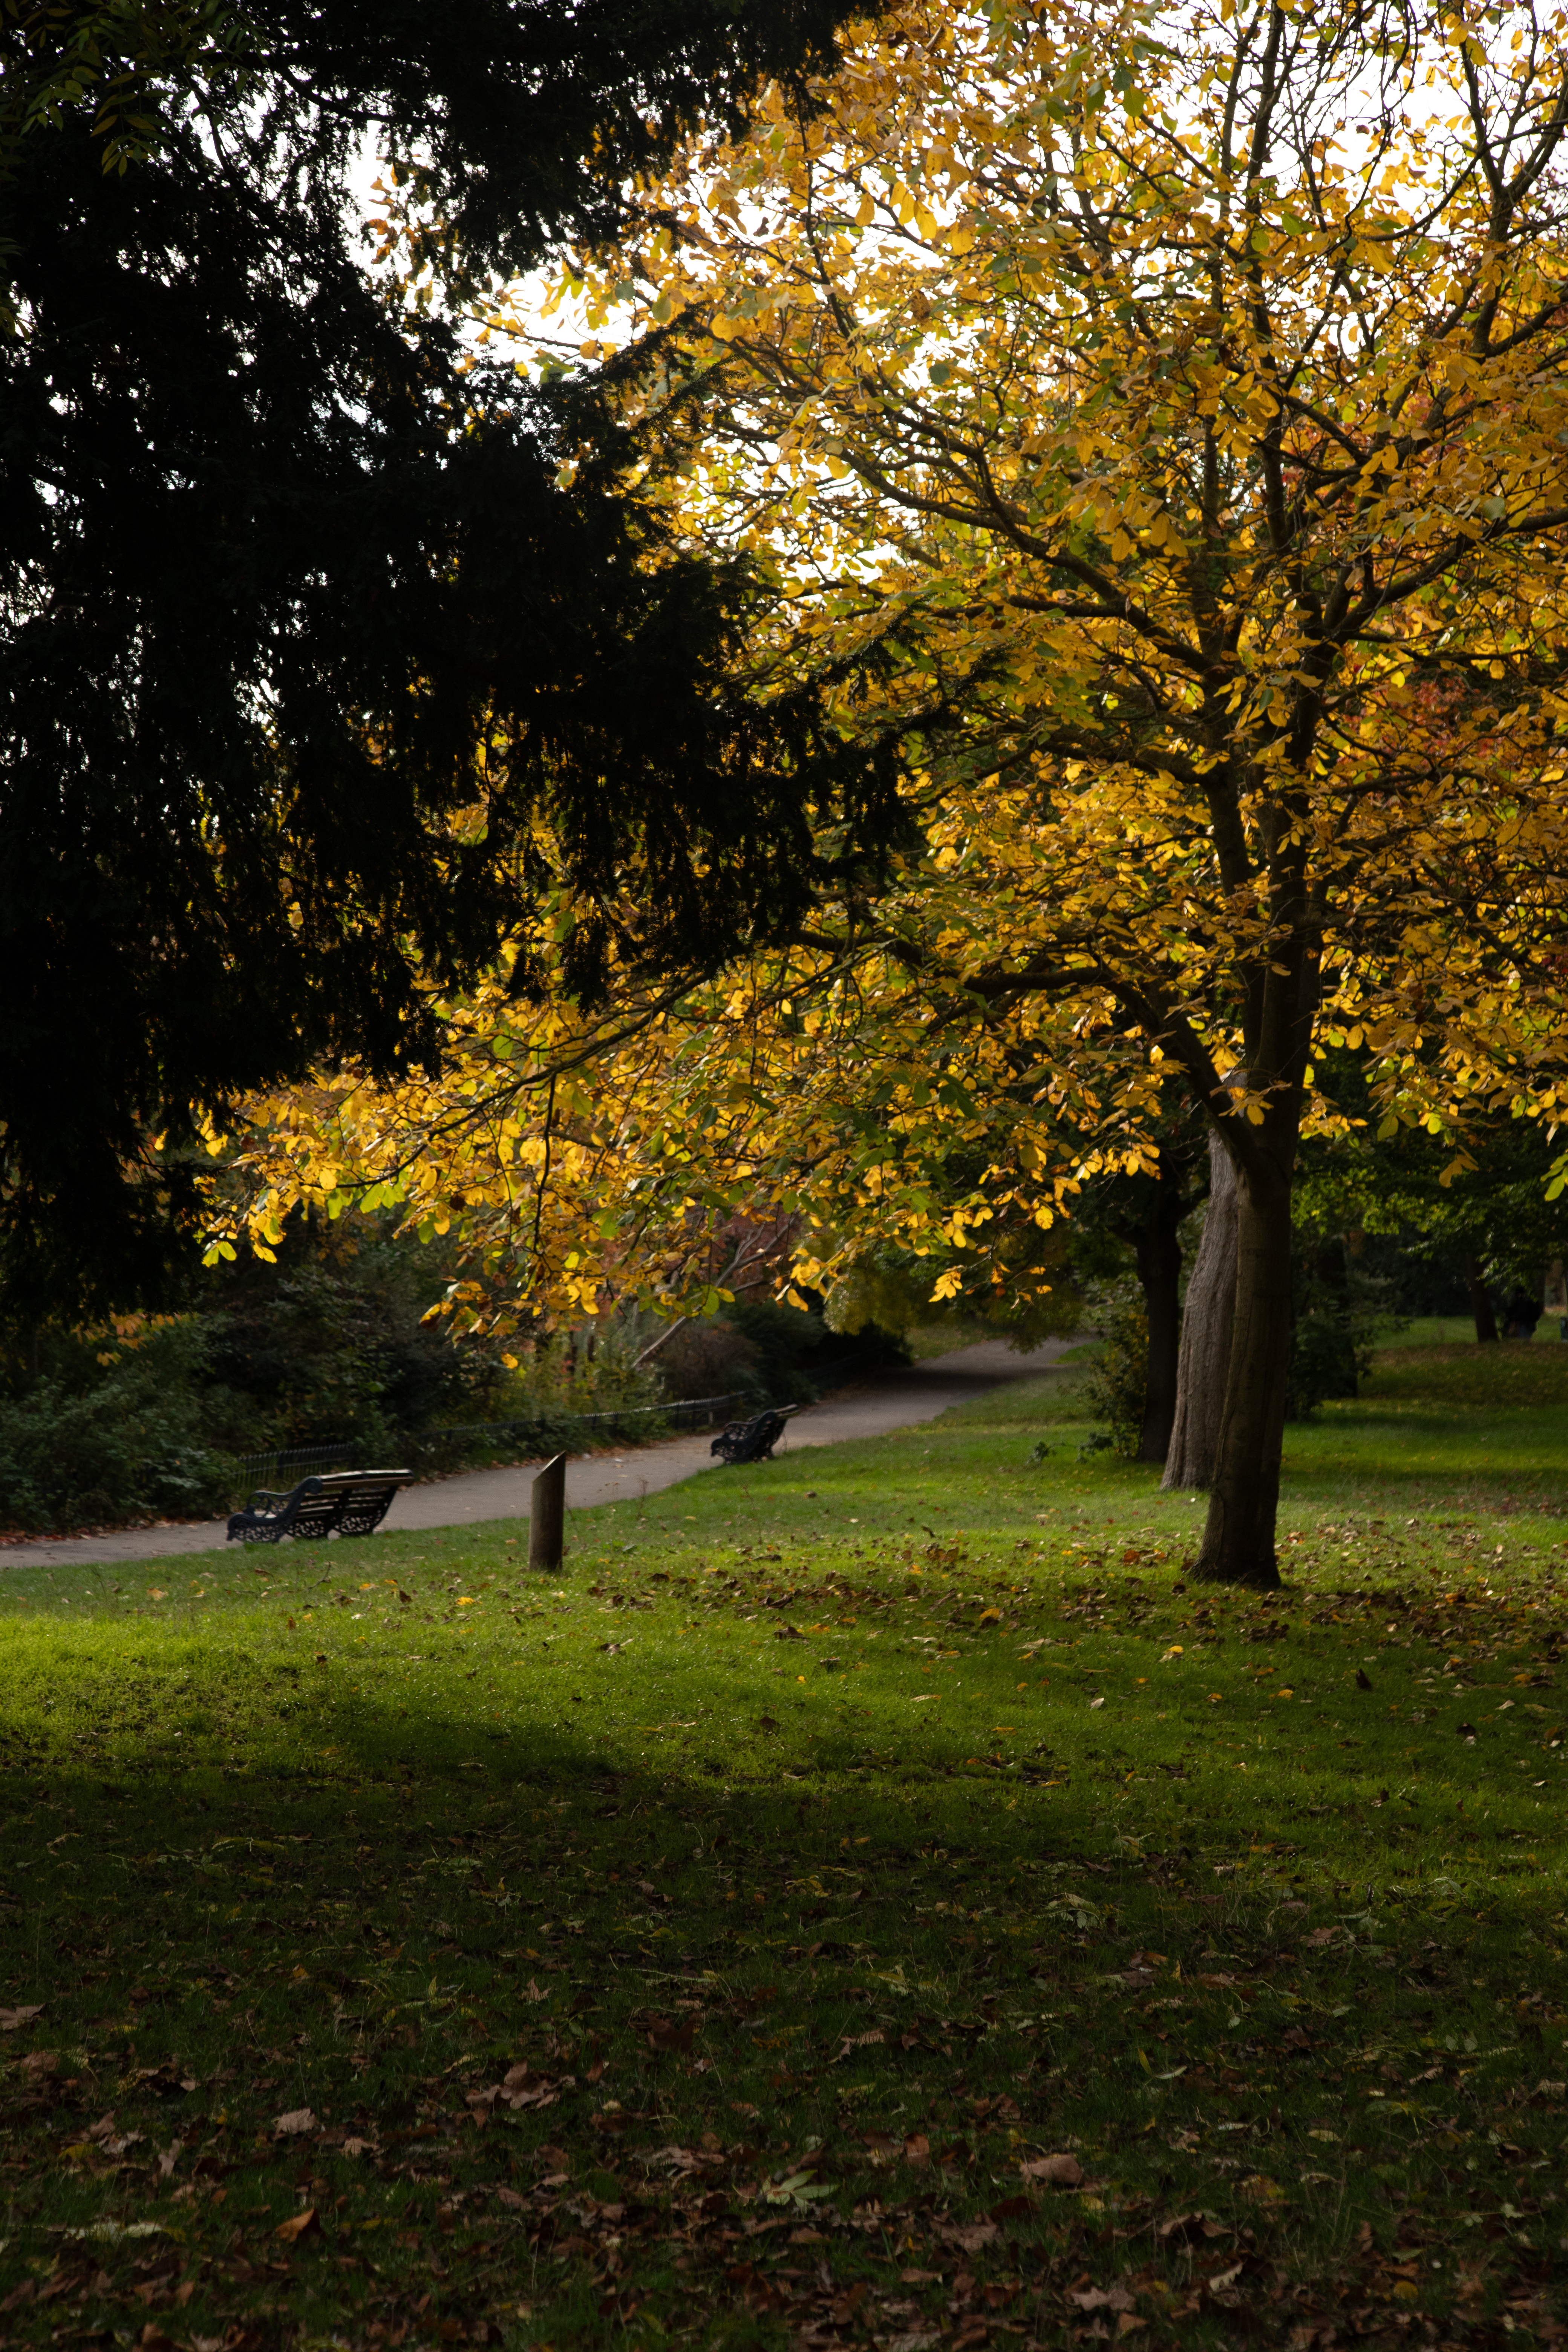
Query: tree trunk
[1193, 1453]
[1480, 1302]
[1158, 1254]
[1239, 1539]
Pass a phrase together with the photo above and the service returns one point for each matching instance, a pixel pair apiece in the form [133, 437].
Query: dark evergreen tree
[312, 675]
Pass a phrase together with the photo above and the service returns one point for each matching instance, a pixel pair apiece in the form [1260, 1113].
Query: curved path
[893, 1401]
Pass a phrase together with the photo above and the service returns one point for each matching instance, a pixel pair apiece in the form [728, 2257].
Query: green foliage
[134, 1444]
[1342, 1307]
[1118, 1384]
[1497, 1212]
[329, 1345]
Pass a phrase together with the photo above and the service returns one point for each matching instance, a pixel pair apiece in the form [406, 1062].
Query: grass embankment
[717, 1946]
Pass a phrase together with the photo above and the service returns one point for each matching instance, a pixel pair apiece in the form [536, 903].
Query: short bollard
[547, 1516]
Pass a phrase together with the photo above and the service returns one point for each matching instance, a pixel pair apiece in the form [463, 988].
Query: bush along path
[800, 1926]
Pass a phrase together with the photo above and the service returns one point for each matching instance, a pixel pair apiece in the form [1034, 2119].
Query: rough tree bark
[1192, 1454]
[1158, 1254]
[1480, 1301]
[1239, 1536]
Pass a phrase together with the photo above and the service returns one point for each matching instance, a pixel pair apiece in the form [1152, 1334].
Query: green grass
[833, 1841]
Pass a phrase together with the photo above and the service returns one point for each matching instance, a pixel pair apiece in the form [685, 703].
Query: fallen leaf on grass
[1183, 2226]
[113, 2231]
[1059, 2171]
[662, 2035]
[970, 2236]
[298, 2120]
[298, 2225]
[1102, 2298]
[10, 2019]
[858, 2041]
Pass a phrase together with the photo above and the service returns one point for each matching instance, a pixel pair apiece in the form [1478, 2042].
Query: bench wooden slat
[344, 1502]
[753, 1439]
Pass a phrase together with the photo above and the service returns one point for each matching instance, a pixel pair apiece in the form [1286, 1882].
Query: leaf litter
[651, 2070]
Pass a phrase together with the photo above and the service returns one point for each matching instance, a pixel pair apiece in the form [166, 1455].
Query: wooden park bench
[344, 1503]
[753, 1439]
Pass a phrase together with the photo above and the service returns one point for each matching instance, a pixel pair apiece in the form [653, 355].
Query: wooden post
[547, 1516]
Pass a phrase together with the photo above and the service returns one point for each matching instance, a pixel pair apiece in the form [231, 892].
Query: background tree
[323, 644]
[1491, 1231]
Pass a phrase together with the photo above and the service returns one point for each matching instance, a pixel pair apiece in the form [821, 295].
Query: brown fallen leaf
[1102, 2298]
[296, 2122]
[972, 2235]
[1058, 2171]
[10, 2019]
[917, 2148]
[1183, 2226]
[665, 2036]
[298, 2225]
[510, 2197]
[38, 2063]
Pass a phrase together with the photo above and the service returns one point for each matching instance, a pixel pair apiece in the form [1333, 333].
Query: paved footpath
[894, 1400]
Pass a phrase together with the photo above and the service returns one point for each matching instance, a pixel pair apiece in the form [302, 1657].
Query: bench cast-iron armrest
[346, 1503]
[753, 1439]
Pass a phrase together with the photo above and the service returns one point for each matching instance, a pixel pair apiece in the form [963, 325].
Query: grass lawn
[869, 1899]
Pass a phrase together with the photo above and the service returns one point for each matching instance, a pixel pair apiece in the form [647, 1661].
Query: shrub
[1117, 1382]
[129, 1446]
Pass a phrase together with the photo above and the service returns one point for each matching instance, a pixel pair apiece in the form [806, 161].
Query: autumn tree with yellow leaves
[1174, 406]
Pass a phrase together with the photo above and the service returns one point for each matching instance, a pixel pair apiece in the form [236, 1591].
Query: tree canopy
[1178, 407]
[324, 644]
